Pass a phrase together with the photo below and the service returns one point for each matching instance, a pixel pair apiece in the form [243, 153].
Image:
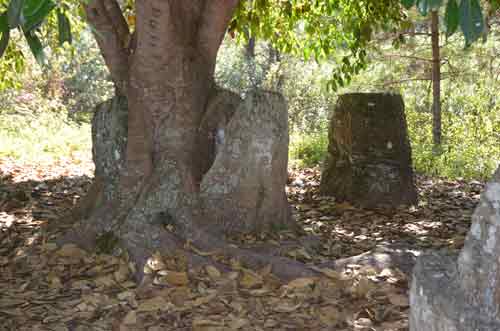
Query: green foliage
[36, 46]
[12, 66]
[471, 146]
[309, 103]
[471, 107]
[64, 27]
[84, 77]
[35, 128]
[451, 17]
[471, 20]
[337, 30]
[239, 73]
[34, 121]
[29, 16]
[308, 150]
[336, 33]
[334, 30]
[464, 13]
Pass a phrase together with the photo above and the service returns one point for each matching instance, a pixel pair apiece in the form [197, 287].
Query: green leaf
[36, 46]
[408, 3]
[423, 7]
[434, 4]
[452, 17]
[64, 27]
[32, 6]
[15, 12]
[35, 12]
[494, 6]
[471, 20]
[4, 42]
[5, 32]
[307, 53]
[4, 24]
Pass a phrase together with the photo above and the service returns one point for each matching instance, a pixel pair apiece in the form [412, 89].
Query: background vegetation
[45, 112]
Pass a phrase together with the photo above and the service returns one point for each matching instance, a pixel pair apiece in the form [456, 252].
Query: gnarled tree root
[208, 250]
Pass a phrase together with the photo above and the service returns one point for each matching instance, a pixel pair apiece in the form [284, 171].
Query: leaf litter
[45, 287]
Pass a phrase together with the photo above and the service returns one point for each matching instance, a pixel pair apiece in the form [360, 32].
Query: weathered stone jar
[369, 154]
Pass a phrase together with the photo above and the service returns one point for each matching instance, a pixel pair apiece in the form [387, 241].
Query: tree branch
[118, 20]
[407, 80]
[213, 26]
[109, 32]
[418, 58]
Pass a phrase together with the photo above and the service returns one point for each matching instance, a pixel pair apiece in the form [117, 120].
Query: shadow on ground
[439, 221]
[50, 288]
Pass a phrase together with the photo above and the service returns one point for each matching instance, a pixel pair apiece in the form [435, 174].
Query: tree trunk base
[243, 190]
[201, 249]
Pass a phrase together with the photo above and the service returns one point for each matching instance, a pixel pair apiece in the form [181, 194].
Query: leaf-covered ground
[45, 287]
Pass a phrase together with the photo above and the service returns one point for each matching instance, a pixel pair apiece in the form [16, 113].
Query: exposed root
[380, 258]
[140, 231]
[206, 249]
[86, 232]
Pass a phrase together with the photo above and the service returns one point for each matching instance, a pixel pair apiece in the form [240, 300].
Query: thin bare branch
[418, 58]
[444, 76]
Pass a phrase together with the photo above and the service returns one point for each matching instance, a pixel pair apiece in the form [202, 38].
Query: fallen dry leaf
[250, 279]
[213, 272]
[286, 307]
[153, 304]
[399, 300]
[172, 278]
[130, 318]
[331, 316]
[45, 287]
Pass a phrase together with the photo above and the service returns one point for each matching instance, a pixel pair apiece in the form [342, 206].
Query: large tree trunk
[180, 163]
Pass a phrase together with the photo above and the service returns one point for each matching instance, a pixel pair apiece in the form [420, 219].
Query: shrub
[308, 150]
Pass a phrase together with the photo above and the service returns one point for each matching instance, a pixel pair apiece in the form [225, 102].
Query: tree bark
[158, 160]
[436, 82]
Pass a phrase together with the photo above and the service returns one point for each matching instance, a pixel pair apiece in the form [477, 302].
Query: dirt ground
[45, 287]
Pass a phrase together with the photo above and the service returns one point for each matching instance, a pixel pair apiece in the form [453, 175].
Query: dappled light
[440, 220]
[231, 165]
[34, 270]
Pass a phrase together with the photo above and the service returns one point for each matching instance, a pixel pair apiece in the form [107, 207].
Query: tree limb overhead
[213, 25]
[109, 31]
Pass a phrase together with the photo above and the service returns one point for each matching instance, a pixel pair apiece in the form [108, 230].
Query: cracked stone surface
[245, 188]
[369, 154]
[462, 294]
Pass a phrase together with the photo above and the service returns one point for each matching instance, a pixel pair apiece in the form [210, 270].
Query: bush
[86, 80]
[42, 134]
[471, 144]
[308, 150]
